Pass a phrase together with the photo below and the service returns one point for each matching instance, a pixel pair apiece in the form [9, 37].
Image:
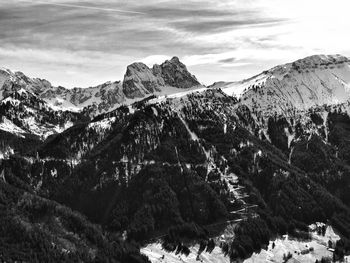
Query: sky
[85, 43]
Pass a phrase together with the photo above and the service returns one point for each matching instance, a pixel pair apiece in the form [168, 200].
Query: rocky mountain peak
[140, 80]
[175, 59]
[5, 72]
[11, 82]
[175, 73]
[137, 66]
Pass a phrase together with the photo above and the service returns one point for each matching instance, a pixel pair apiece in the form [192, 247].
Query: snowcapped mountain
[305, 83]
[139, 81]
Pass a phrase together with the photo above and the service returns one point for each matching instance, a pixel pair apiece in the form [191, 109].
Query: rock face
[140, 80]
[176, 74]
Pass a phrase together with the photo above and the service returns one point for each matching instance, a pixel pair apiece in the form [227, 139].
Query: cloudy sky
[84, 43]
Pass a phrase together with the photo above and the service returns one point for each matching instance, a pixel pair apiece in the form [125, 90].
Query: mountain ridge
[139, 81]
[302, 84]
[305, 83]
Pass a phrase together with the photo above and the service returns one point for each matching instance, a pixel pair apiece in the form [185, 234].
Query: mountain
[197, 173]
[305, 83]
[139, 81]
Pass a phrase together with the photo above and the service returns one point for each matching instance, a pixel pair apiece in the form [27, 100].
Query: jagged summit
[176, 74]
[140, 80]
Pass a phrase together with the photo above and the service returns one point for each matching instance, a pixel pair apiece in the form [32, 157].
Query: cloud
[170, 11]
[221, 25]
[82, 7]
[227, 60]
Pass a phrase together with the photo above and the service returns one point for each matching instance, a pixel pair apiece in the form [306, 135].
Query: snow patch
[9, 126]
[155, 253]
[194, 136]
[238, 88]
[6, 152]
[13, 101]
[155, 112]
[104, 124]
[290, 136]
[313, 250]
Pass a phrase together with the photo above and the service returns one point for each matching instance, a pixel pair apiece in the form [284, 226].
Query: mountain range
[139, 81]
[97, 174]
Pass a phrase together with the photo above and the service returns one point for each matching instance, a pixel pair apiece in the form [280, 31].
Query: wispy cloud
[83, 7]
[227, 60]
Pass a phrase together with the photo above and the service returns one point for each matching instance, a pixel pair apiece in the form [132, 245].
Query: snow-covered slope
[313, 249]
[155, 253]
[305, 83]
[302, 251]
[23, 113]
[9, 126]
[104, 97]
